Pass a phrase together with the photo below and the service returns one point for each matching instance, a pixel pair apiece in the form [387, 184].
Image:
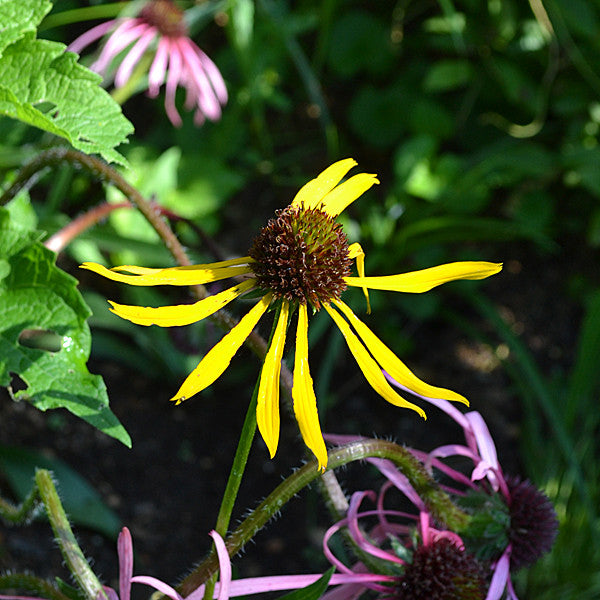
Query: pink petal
[133, 56]
[158, 585]
[357, 534]
[90, 36]
[205, 94]
[389, 470]
[173, 78]
[121, 37]
[331, 557]
[500, 577]
[214, 76]
[224, 565]
[125, 552]
[112, 595]
[158, 69]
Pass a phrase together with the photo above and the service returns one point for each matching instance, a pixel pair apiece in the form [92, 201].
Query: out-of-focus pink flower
[178, 62]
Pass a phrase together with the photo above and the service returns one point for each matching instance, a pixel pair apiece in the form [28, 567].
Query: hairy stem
[56, 156]
[437, 501]
[32, 585]
[22, 513]
[72, 553]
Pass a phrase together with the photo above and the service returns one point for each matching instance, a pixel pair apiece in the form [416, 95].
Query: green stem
[76, 15]
[239, 466]
[235, 478]
[19, 514]
[72, 553]
[437, 501]
[32, 585]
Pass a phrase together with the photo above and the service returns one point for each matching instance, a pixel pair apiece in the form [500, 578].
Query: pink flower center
[166, 17]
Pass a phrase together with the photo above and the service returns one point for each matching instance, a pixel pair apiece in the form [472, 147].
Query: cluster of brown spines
[302, 256]
[166, 17]
[442, 571]
[533, 523]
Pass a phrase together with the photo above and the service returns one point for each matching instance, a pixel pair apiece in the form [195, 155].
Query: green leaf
[80, 500]
[37, 301]
[448, 75]
[359, 44]
[313, 591]
[18, 17]
[44, 86]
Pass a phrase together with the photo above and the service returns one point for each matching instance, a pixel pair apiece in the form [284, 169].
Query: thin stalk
[235, 478]
[72, 553]
[77, 15]
[238, 467]
[32, 585]
[63, 237]
[22, 513]
[437, 501]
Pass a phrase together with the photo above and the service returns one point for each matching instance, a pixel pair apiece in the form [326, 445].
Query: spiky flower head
[442, 570]
[533, 523]
[302, 256]
[166, 16]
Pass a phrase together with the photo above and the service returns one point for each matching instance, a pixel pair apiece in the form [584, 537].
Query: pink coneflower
[413, 558]
[522, 515]
[177, 62]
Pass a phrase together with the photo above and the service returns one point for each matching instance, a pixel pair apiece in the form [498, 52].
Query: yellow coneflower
[300, 259]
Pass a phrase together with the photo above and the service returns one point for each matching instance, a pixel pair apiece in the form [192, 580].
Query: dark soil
[167, 488]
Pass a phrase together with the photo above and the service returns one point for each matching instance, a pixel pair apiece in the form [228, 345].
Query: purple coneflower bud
[533, 523]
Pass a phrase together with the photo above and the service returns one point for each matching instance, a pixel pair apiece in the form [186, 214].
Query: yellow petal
[392, 364]
[368, 366]
[311, 194]
[355, 251]
[184, 314]
[188, 275]
[212, 366]
[267, 407]
[345, 194]
[425, 279]
[303, 393]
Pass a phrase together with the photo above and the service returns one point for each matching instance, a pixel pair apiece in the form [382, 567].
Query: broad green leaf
[18, 17]
[39, 301]
[313, 591]
[80, 500]
[44, 86]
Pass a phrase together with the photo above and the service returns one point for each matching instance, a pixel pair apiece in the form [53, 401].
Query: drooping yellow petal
[355, 251]
[303, 393]
[188, 275]
[345, 194]
[184, 314]
[311, 194]
[426, 279]
[267, 407]
[392, 364]
[368, 366]
[212, 366]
